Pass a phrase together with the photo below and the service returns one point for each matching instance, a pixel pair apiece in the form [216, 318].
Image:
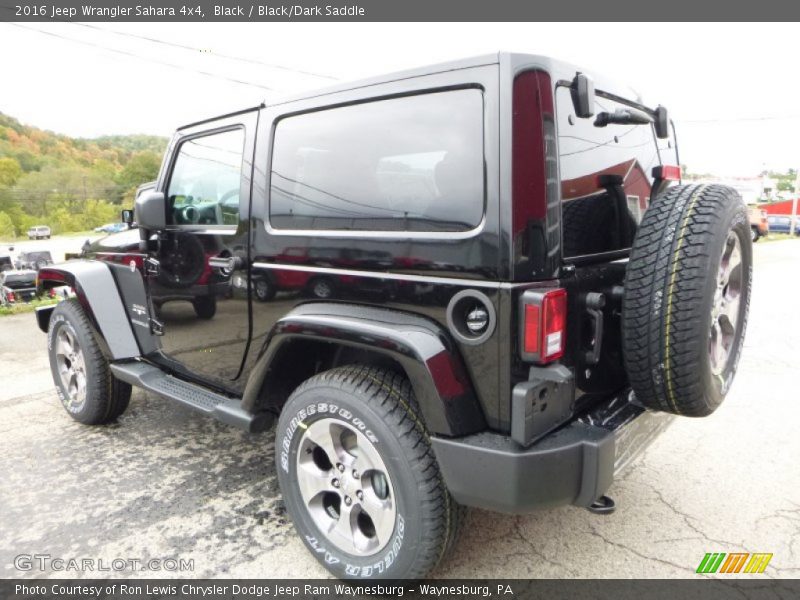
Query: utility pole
[793, 219]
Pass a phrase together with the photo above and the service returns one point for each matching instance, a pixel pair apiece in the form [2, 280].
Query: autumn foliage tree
[70, 184]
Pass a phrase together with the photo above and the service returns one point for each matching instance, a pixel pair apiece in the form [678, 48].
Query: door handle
[226, 263]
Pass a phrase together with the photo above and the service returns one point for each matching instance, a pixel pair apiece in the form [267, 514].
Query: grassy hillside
[71, 184]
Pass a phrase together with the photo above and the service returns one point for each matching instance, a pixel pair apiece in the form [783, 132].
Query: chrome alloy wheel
[71, 367]
[322, 289]
[345, 487]
[726, 306]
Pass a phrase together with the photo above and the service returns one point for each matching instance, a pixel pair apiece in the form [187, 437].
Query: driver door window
[206, 180]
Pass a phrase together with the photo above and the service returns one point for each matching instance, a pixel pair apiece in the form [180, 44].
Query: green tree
[7, 229]
[42, 191]
[71, 184]
[10, 171]
[141, 168]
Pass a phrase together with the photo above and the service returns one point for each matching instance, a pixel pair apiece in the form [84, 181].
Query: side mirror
[151, 212]
[662, 123]
[583, 96]
[126, 216]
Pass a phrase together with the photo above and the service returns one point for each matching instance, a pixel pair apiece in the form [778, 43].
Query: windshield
[32, 256]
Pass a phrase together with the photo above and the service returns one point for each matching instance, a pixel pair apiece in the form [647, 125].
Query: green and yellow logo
[736, 562]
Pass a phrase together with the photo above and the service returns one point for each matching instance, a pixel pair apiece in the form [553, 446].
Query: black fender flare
[97, 291]
[436, 371]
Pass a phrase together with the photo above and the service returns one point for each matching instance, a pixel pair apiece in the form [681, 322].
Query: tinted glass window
[595, 217]
[33, 256]
[19, 278]
[405, 164]
[206, 179]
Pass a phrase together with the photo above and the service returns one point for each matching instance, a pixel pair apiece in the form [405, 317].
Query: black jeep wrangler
[485, 287]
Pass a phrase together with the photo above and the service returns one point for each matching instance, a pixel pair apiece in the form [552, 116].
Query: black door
[200, 292]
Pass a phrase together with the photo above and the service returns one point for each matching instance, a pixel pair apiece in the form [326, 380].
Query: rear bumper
[574, 465]
[24, 294]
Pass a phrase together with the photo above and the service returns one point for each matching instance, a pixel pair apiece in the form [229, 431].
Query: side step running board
[222, 408]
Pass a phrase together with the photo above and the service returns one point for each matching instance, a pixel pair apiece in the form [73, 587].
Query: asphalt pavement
[166, 483]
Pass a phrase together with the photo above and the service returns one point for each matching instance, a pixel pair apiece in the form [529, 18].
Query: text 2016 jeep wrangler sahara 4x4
[478, 287]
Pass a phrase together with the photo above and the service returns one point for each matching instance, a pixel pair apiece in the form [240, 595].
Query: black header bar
[401, 10]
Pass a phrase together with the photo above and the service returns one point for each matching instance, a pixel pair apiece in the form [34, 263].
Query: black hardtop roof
[517, 61]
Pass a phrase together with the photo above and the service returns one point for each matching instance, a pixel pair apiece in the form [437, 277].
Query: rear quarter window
[403, 164]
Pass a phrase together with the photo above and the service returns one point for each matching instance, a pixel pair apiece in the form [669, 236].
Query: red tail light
[544, 325]
[11, 297]
[667, 172]
[532, 329]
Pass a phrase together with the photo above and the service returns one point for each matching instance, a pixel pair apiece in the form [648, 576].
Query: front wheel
[754, 234]
[359, 478]
[87, 389]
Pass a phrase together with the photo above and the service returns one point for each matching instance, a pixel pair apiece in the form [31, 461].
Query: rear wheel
[687, 295]
[322, 288]
[754, 234]
[85, 385]
[264, 290]
[359, 477]
[205, 307]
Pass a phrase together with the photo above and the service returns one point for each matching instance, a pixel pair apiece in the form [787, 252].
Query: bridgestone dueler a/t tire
[106, 396]
[671, 290]
[381, 404]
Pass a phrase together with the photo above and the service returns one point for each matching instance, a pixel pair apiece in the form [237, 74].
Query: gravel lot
[164, 482]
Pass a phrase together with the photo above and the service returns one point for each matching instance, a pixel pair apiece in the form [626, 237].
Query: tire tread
[110, 396]
[665, 287]
[391, 396]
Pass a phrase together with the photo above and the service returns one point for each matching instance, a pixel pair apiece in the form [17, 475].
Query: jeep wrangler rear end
[474, 284]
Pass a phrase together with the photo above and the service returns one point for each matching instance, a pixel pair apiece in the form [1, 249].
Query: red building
[783, 207]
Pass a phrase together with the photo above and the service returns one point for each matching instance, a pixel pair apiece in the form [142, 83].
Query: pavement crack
[597, 534]
[521, 537]
[688, 520]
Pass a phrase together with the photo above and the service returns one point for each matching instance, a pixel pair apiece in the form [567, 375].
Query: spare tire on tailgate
[687, 294]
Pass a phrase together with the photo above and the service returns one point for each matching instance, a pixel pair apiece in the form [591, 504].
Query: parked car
[34, 259]
[39, 232]
[17, 286]
[782, 224]
[111, 228]
[184, 275]
[551, 315]
[328, 285]
[759, 224]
